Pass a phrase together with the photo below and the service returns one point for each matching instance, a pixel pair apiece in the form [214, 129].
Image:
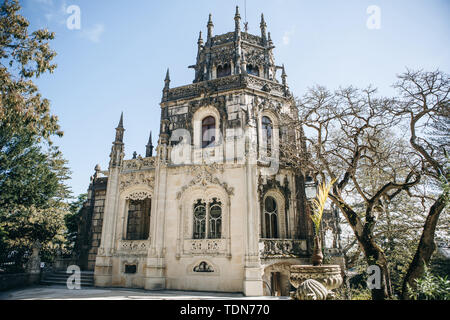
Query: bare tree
[424, 105]
[345, 133]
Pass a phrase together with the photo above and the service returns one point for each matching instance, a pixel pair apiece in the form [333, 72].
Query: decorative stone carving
[138, 195]
[312, 290]
[280, 248]
[139, 164]
[132, 179]
[328, 275]
[203, 176]
[133, 246]
[203, 267]
[204, 246]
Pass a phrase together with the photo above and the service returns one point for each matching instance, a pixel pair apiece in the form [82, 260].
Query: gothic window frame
[271, 219]
[274, 144]
[197, 121]
[283, 224]
[202, 227]
[143, 221]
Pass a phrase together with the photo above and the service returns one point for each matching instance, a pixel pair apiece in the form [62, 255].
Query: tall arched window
[199, 220]
[208, 132]
[271, 218]
[215, 220]
[208, 220]
[223, 71]
[138, 221]
[267, 133]
[253, 70]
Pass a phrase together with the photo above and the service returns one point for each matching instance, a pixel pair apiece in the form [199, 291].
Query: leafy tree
[32, 170]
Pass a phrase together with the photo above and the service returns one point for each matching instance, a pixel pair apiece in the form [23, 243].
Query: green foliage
[32, 171]
[430, 287]
[72, 221]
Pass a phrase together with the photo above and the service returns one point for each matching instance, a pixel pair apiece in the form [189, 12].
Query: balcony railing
[281, 248]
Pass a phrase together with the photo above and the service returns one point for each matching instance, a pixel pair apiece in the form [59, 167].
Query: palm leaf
[318, 204]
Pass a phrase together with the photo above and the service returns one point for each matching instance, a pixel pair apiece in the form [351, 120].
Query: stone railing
[281, 248]
[237, 81]
[133, 246]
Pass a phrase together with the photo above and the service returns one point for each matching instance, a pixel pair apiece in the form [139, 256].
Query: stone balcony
[282, 248]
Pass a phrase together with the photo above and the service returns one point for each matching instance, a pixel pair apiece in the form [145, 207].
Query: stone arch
[197, 119]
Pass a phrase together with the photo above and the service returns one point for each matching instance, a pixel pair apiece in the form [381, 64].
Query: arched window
[253, 70]
[199, 220]
[215, 220]
[271, 218]
[208, 132]
[267, 133]
[138, 222]
[208, 220]
[223, 71]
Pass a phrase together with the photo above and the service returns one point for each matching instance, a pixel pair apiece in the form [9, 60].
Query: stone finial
[269, 39]
[120, 130]
[97, 168]
[200, 39]
[237, 21]
[283, 75]
[149, 147]
[134, 155]
[263, 26]
[210, 27]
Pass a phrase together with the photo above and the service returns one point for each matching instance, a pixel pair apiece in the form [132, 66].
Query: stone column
[103, 262]
[253, 284]
[154, 271]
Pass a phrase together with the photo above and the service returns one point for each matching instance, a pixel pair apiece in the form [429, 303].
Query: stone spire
[117, 149]
[269, 40]
[200, 40]
[210, 26]
[237, 22]
[283, 75]
[166, 85]
[149, 147]
[120, 130]
[263, 26]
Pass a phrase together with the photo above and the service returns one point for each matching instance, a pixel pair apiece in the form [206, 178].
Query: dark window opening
[267, 131]
[138, 224]
[253, 70]
[223, 71]
[130, 268]
[208, 132]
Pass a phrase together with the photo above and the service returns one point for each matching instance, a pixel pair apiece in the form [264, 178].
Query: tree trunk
[426, 246]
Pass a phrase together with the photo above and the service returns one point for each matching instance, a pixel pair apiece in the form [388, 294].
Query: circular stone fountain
[328, 275]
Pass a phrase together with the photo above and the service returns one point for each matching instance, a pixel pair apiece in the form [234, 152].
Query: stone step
[64, 283]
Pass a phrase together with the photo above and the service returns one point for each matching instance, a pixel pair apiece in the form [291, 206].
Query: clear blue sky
[118, 59]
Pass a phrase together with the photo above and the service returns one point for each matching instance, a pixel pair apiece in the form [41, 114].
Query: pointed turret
[167, 79]
[237, 21]
[269, 40]
[117, 154]
[200, 40]
[149, 147]
[120, 130]
[263, 26]
[283, 75]
[210, 27]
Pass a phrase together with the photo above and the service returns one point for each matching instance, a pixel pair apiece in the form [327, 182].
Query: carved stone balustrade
[281, 248]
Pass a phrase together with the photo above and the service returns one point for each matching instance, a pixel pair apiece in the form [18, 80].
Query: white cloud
[287, 36]
[94, 33]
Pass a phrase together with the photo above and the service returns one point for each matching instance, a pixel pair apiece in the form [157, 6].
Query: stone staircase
[60, 278]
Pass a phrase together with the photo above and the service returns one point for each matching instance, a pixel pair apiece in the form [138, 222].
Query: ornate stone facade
[203, 213]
